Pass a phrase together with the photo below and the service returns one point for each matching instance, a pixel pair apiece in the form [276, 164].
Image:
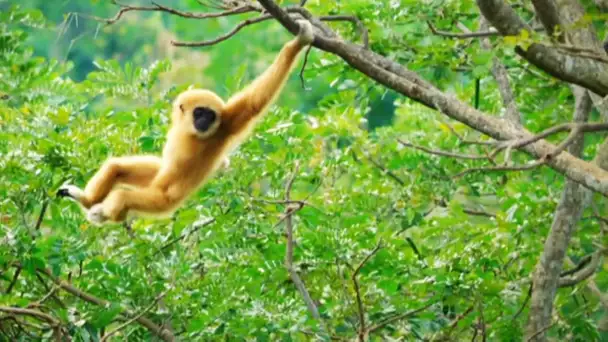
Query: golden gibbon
[203, 129]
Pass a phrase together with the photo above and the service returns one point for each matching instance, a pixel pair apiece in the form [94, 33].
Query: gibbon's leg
[250, 102]
[119, 202]
[135, 170]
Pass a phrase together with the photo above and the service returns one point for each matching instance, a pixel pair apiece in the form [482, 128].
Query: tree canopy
[434, 170]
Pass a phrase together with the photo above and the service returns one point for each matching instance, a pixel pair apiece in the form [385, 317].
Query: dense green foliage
[60, 119]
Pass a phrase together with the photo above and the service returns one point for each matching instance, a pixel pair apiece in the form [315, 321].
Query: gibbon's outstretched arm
[203, 130]
[252, 101]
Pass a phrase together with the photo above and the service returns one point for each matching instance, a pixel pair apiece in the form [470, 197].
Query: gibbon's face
[198, 111]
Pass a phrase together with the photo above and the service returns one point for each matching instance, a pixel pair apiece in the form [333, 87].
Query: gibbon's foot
[96, 215]
[306, 34]
[70, 191]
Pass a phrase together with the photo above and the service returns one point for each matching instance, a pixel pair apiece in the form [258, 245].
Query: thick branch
[54, 322]
[577, 70]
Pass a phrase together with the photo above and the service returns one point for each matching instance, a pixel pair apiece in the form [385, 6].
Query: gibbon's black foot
[70, 191]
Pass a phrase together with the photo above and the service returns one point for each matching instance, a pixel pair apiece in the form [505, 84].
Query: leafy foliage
[227, 279]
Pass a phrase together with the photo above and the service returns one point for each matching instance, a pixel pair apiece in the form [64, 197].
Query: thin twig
[310, 304]
[441, 152]
[523, 305]
[225, 36]
[186, 234]
[45, 205]
[399, 317]
[136, 317]
[384, 170]
[304, 66]
[459, 318]
[43, 299]
[14, 281]
[353, 19]
[360, 308]
[540, 332]
[581, 273]
[52, 321]
[470, 142]
[164, 334]
[501, 168]
[490, 33]
[160, 8]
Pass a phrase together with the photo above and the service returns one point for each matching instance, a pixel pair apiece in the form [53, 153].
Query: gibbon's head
[198, 111]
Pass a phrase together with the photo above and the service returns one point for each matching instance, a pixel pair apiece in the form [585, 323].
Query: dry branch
[160, 8]
[289, 210]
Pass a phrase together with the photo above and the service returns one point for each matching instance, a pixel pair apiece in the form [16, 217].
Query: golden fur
[157, 186]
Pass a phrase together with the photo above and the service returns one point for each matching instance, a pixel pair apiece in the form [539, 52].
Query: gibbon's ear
[181, 107]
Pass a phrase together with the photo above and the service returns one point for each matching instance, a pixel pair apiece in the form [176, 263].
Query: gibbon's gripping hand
[306, 35]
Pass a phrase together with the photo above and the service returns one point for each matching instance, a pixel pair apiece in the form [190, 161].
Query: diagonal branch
[227, 35]
[353, 19]
[136, 317]
[502, 79]
[164, 334]
[288, 218]
[441, 152]
[394, 76]
[585, 269]
[399, 317]
[160, 8]
[360, 308]
[578, 70]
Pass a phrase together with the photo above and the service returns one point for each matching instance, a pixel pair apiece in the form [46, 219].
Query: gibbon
[203, 129]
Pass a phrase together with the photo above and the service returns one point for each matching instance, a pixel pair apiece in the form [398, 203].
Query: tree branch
[399, 317]
[441, 152]
[223, 37]
[577, 70]
[164, 334]
[502, 79]
[160, 8]
[310, 304]
[360, 308]
[136, 317]
[353, 19]
[581, 272]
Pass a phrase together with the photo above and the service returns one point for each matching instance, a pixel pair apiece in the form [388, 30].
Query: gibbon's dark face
[204, 118]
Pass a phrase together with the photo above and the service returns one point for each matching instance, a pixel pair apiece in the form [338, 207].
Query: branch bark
[164, 334]
[409, 84]
[288, 218]
[569, 211]
[581, 71]
[575, 198]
